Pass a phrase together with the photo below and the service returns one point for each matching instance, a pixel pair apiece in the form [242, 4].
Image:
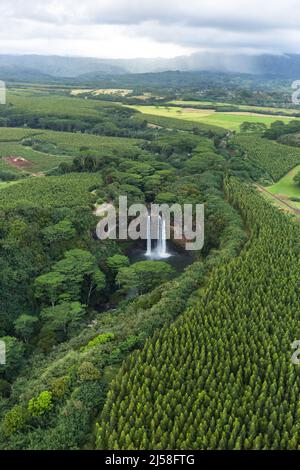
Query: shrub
[100, 339]
[87, 371]
[14, 420]
[40, 405]
[60, 386]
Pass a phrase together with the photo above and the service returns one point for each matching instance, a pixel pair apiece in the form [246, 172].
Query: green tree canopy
[25, 325]
[14, 356]
[116, 262]
[64, 317]
[144, 275]
[76, 272]
[253, 127]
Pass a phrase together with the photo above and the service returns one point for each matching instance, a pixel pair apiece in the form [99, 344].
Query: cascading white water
[149, 241]
[161, 245]
[163, 238]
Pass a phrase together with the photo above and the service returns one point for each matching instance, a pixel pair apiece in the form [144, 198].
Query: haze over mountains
[38, 67]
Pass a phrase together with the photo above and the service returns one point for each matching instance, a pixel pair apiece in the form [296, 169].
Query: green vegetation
[45, 110]
[100, 339]
[176, 122]
[90, 358]
[23, 160]
[51, 104]
[220, 377]
[72, 351]
[105, 352]
[290, 139]
[70, 190]
[282, 131]
[46, 150]
[73, 143]
[242, 107]
[11, 134]
[144, 275]
[40, 405]
[227, 120]
[287, 186]
[274, 158]
[296, 177]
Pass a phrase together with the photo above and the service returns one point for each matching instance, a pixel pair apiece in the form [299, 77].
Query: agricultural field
[242, 107]
[48, 149]
[4, 185]
[72, 142]
[231, 121]
[169, 123]
[13, 134]
[72, 190]
[43, 103]
[17, 156]
[198, 103]
[274, 158]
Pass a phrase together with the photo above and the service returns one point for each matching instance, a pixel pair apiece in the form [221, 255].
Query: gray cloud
[180, 26]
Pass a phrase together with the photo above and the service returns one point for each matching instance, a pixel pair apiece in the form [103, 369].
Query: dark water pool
[179, 260]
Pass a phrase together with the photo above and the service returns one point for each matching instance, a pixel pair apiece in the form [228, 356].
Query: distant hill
[12, 73]
[57, 68]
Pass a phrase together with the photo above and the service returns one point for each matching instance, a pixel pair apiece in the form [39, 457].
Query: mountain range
[53, 68]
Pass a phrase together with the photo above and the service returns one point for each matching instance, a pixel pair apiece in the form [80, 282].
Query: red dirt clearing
[18, 162]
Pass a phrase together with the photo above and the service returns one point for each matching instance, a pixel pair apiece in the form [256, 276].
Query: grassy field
[286, 187]
[286, 191]
[266, 109]
[170, 123]
[230, 121]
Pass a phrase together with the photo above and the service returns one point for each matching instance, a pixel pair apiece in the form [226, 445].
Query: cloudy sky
[148, 28]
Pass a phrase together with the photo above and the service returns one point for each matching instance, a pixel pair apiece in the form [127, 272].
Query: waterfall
[163, 238]
[160, 249]
[149, 247]
[161, 245]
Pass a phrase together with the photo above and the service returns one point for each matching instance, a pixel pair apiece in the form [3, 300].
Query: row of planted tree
[221, 376]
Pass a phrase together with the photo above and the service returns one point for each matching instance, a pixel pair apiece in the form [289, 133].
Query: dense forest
[220, 376]
[107, 352]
